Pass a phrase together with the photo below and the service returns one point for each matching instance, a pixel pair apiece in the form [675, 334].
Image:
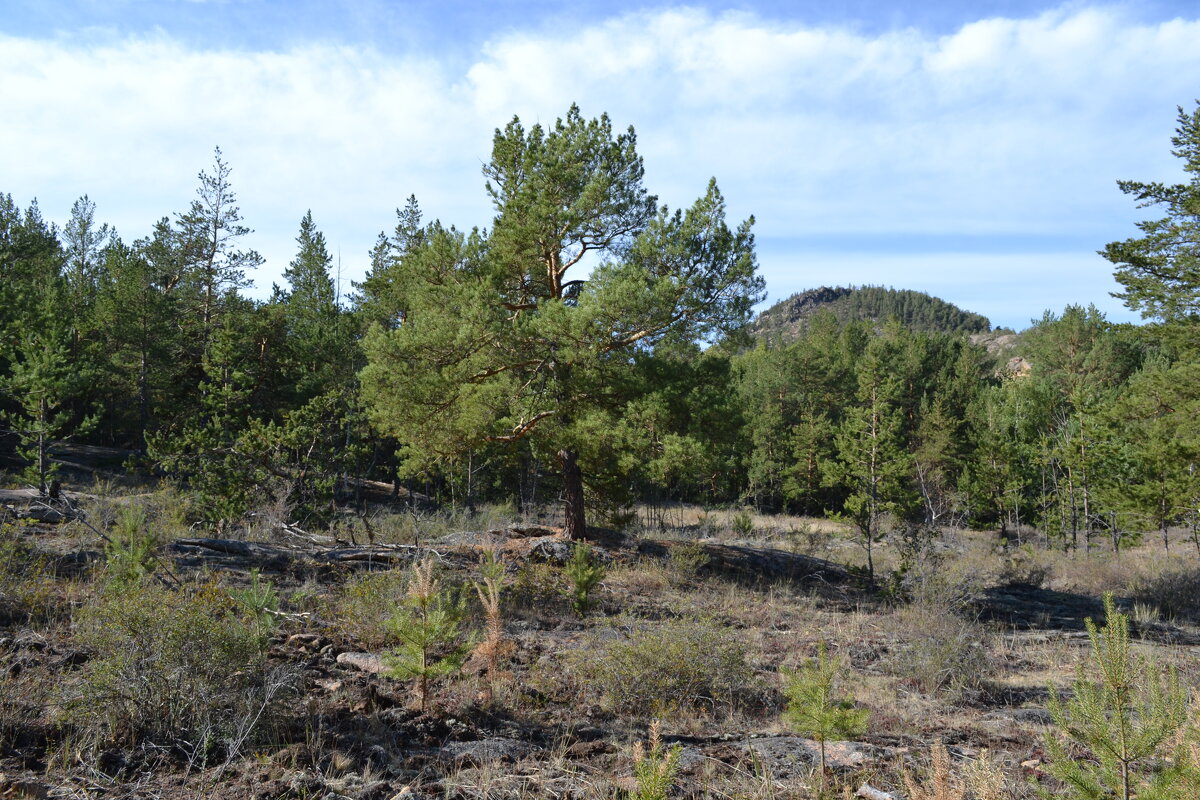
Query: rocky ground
[960, 654]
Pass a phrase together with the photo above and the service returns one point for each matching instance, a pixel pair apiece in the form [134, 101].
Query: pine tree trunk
[572, 493]
[43, 447]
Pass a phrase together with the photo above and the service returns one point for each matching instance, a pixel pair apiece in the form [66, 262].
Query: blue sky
[970, 150]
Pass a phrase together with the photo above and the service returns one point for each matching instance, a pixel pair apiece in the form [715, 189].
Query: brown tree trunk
[572, 493]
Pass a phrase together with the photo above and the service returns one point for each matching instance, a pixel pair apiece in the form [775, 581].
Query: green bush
[365, 604]
[27, 592]
[652, 669]
[180, 670]
[537, 588]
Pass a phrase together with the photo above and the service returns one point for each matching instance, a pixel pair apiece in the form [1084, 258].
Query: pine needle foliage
[654, 768]
[585, 574]
[940, 782]
[1115, 728]
[427, 627]
[494, 647]
[816, 706]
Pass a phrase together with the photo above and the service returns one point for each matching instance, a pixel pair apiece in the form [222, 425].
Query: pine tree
[320, 349]
[817, 707]
[1160, 270]
[500, 343]
[427, 628]
[1114, 730]
[212, 270]
[873, 461]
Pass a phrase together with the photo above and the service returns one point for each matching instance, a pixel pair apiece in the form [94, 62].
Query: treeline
[455, 370]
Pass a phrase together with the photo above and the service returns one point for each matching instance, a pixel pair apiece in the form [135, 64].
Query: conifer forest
[549, 505]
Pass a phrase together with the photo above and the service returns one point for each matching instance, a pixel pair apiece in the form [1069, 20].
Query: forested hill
[916, 310]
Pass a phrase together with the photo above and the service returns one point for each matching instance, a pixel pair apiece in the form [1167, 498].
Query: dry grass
[923, 665]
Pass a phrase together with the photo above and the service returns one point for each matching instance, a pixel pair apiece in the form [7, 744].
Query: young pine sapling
[585, 573]
[817, 708]
[427, 628]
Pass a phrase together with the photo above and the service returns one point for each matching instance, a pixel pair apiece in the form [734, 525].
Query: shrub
[742, 524]
[365, 604]
[947, 653]
[643, 669]
[182, 670]
[1175, 591]
[687, 559]
[27, 592]
[537, 587]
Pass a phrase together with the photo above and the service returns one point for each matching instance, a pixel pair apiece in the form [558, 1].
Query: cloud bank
[1009, 130]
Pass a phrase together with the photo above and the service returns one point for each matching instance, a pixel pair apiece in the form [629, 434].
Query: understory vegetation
[497, 528]
[976, 670]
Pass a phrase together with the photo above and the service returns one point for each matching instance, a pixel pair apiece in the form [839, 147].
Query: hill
[916, 310]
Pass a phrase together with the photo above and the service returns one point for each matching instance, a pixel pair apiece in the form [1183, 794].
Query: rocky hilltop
[919, 311]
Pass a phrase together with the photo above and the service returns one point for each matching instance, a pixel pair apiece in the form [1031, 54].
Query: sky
[968, 150]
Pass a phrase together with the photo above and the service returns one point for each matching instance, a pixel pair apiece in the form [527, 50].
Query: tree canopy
[505, 338]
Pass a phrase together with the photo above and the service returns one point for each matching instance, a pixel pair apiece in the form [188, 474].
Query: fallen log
[869, 792]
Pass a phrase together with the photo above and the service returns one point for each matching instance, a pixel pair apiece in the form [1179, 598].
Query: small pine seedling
[494, 646]
[427, 627]
[585, 573]
[1124, 718]
[816, 709]
[655, 769]
[260, 601]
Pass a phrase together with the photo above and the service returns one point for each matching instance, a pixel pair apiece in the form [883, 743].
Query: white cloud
[1006, 126]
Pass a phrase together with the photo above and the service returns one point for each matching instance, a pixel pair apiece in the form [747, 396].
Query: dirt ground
[957, 643]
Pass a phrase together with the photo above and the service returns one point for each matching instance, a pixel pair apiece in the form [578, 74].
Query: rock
[50, 516]
[485, 750]
[15, 787]
[407, 793]
[551, 551]
[367, 662]
[590, 749]
[793, 757]
[529, 531]
[375, 790]
[1035, 716]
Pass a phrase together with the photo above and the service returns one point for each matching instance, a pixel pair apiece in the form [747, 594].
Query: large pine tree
[506, 339]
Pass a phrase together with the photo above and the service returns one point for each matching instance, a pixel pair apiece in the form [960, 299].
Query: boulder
[367, 662]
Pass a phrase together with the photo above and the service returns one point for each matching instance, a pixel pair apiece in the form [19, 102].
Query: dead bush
[944, 652]
[365, 603]
[1174, 591]
[28, 591]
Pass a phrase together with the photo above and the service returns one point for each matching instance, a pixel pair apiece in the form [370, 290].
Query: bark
[572, 493]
